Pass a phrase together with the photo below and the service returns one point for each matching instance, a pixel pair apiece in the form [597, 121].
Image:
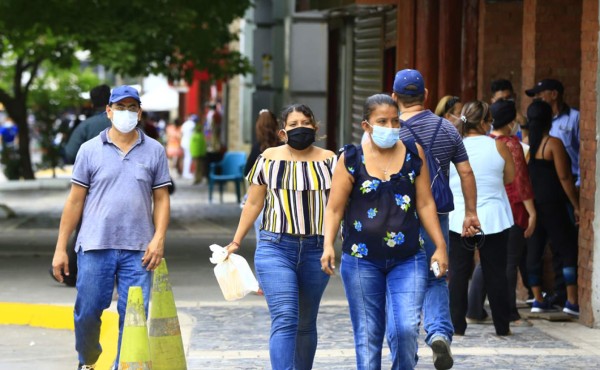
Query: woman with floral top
[383, 193]
[290, 184]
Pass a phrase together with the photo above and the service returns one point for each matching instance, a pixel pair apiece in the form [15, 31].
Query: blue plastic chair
[230, 168]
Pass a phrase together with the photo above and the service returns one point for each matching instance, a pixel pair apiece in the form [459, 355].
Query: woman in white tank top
[493, 167]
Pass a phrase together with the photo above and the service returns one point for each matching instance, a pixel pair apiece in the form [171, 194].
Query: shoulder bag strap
[434, 135]
[414, 134]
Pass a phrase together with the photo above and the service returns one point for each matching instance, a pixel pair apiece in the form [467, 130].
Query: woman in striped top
[290, 184]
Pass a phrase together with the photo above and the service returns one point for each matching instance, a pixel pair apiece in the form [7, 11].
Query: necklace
[291, 154]
[385, 170]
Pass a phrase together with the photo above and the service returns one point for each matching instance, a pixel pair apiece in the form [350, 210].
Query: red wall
[589, 76]
[551, 45]
[500, 46]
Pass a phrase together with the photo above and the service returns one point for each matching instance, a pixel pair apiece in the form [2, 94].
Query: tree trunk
[24, 152]
[20, 118]
[17, 110]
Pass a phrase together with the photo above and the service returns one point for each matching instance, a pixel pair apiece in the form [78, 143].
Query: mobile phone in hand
[435, 267]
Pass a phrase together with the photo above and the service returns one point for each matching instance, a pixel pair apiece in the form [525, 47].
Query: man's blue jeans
[385, 297]
[288, 268]
[436, 306]
[99, 270]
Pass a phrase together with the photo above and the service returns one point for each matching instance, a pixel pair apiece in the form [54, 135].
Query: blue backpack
[440, 186]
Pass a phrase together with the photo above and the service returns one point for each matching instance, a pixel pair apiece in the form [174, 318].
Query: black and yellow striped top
[297, 194]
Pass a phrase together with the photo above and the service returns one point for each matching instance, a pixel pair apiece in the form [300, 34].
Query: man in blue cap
[119, 195]
[410, 94]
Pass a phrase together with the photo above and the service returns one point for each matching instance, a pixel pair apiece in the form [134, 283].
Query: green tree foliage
[52, 93]
[135, 37]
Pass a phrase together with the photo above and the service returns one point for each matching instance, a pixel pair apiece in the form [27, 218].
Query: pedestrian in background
[198, 153]
[148, 125]
[553, 187]
[410, 94]
[382, 192]
[565, 126]
[86, 130]
[187, 130]
[502, 89]
[214, 134]
[9, 148]
[266, 137]
[91, 127]
[493, 168]
[173, 147]
[119, 194]
[520, 196]
[290, 184]
[449, 107]
[565, 119]
[9, 135]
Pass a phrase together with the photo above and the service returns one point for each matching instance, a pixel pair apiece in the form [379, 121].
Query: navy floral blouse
[380, 221]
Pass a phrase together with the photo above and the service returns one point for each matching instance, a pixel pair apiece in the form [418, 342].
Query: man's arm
[469, 189]
[162, 212]
[68, 222]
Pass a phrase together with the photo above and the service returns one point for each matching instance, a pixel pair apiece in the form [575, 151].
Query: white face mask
[124, 120]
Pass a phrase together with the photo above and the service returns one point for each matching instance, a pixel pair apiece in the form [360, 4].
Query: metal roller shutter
[372, 33]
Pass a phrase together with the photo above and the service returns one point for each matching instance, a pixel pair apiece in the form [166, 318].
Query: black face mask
[300, 138]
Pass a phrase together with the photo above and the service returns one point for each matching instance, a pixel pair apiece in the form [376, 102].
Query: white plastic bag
[233, 274]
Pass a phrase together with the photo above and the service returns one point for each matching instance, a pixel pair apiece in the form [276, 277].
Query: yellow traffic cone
[166, 345]
[135, 349]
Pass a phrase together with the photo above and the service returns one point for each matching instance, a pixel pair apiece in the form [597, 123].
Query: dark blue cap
[546, 84]
[123, 92]
[409, 82]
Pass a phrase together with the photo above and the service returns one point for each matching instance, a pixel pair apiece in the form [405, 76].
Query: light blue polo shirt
[565, 126]
[117, 213]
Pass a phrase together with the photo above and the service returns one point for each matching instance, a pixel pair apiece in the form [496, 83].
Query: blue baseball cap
[409, 82]
[123, 92]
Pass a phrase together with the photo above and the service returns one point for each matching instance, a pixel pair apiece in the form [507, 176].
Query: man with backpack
[442, 144]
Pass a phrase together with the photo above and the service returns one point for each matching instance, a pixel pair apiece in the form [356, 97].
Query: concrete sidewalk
[230, 335]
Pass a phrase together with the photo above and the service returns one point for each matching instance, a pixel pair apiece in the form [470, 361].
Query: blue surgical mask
[384, 137]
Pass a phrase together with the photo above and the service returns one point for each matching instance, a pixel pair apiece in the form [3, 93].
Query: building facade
[332, 54]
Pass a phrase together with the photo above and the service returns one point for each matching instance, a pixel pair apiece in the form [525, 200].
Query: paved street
[230, 335]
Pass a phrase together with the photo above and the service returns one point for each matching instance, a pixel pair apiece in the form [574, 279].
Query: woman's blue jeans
[289, 272]
[99, 270]
[385, 297]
